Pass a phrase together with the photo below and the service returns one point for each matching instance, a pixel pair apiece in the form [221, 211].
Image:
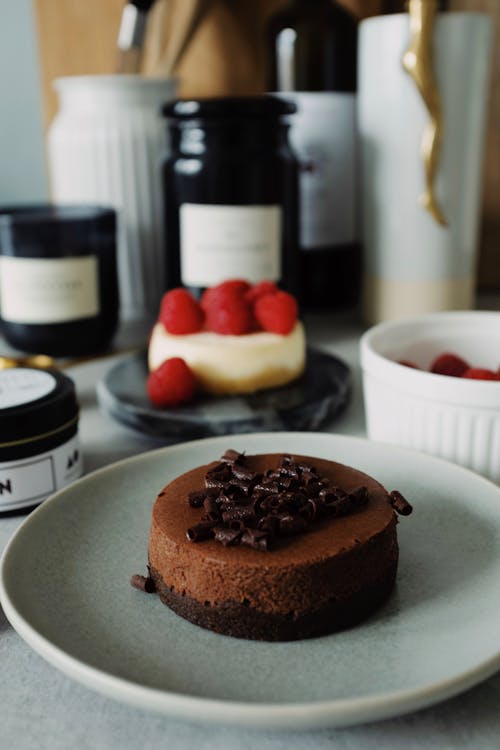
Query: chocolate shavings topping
[143, 583]
[400, 503]
[253, 509]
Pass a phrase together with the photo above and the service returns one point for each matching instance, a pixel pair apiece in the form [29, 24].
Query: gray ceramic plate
[305, 404]
[65, 588]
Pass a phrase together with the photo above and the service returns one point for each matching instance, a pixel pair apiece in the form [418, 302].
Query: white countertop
[42, 708]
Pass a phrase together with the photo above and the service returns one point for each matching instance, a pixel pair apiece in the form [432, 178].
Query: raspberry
[230, 289]
[171, 384]
[180, 313]
[449, 364]
[276, 312]
[480, 373]
[231, 316]
[408, 363]
[258, 290]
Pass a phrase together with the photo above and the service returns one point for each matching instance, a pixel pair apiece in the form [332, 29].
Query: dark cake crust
[241, 621]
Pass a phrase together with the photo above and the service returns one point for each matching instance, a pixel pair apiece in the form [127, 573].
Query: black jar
[58, 278]
[230, 192]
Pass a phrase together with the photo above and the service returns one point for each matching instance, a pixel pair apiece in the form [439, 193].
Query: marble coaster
[305, 404]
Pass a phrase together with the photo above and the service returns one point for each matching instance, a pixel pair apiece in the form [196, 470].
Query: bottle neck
[197, 139]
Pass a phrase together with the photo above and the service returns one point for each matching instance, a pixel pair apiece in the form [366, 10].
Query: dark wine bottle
[230, 192]
[312, 60]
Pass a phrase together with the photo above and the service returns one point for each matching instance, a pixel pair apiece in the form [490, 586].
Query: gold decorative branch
[418, 63]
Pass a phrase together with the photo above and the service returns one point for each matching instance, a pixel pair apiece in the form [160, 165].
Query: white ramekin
[455, 418]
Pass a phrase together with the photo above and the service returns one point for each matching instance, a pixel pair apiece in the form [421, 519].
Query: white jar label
[32, 480]
[20, 385]
[221, 242]
[323, 136]
[48, 290]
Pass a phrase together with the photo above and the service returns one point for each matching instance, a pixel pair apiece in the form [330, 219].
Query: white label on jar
[32, 480]
[323, 136]
[48, 290]
[22, 386]
[222, 242]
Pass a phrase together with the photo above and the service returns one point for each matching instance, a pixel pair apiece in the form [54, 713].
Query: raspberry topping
[220, 294]
[233, 307]
[231, 316]
[258, 290]
[276, 312]
[171, 384]
[454, 366]
[449, 364]
[480, 373]
[180, 313]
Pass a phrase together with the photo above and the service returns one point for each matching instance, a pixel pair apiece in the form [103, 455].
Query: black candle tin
[58, 278]
[39, 444]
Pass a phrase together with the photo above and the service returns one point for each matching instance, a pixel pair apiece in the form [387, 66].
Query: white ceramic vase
[412, 264]
[105, 147]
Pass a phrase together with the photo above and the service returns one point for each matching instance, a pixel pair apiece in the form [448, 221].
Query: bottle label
[48, 290]
[221, 242]
[32, 480]
[19, 385]
[323, 136]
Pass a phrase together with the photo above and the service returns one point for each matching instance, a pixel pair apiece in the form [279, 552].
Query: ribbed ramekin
[455, 418]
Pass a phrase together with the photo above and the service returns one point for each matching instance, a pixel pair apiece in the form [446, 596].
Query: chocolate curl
[210, 505]
[290, 525]
[314, 487]
[269, 487]
[359, 497]
[227, 536]
[203, 530]
[213, 517]
[143, 583]
[339, 503]
[232, 456]
[213, 482]
[256, 539]
[197, 498]
[268, 523]
[305, 469]
[243, 472]
[239, 513]
[241, 486]
[309, 511]
[400, 503]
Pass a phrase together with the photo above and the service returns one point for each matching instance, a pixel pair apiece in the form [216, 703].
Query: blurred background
[215, 46]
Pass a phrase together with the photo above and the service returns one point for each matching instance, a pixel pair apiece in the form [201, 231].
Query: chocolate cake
[273, 547]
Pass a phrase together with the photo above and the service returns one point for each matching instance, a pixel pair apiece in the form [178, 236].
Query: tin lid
[34, 404]
[60, 230]
[263, 106]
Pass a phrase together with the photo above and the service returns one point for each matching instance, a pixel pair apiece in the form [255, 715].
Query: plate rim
[258, 715]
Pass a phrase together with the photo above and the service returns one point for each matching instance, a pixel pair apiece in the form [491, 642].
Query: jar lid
[34, 403]
[58, 229]
[230, 106]
[52, 213]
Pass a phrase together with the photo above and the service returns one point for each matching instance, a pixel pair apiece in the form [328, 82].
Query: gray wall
[22, 167]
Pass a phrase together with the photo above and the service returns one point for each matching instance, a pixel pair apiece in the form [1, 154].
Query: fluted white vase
[105, 146]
